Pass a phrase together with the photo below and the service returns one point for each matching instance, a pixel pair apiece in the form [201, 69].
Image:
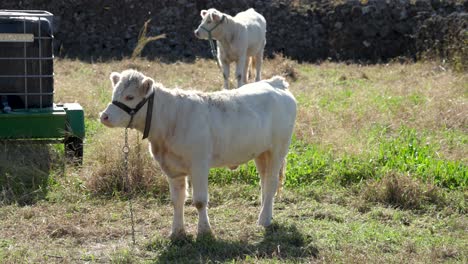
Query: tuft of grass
[402, 191]
[25, 170]
[107, 174]
[284, 67]
[123, 256]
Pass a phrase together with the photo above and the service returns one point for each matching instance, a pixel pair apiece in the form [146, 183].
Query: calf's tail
[281, 178]
[250, 68]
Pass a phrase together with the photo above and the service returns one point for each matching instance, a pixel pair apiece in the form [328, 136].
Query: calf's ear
[203, 13]
[146, 86]
[115, 78]
[216, 16]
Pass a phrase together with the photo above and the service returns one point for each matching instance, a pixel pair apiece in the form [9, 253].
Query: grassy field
[377, 172]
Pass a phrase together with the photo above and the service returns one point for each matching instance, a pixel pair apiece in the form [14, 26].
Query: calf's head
[130, 87]
[212, 22]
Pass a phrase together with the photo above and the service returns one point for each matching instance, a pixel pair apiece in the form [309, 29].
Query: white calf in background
[191, 132]
[240, 39]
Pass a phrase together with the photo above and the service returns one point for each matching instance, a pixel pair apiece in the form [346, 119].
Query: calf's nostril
[104, 117]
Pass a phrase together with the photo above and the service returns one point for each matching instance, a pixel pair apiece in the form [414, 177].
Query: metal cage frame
[25, 14]
[62, 123]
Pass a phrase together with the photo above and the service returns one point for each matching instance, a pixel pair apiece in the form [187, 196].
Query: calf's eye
[129, 97]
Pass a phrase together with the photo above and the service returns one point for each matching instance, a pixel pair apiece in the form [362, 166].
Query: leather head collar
[213, 28]
[133, 111]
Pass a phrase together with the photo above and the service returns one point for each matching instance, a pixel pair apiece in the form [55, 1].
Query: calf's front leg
[241, 71]
[178, 189]
[226, 69]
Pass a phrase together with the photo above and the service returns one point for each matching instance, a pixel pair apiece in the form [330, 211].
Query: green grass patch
[406, 152]
[410, 151]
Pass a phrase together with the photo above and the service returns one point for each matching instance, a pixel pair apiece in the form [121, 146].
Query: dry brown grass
[105, 173]
[25, 169]
[283, 66]
[402, 191]
[99, 227]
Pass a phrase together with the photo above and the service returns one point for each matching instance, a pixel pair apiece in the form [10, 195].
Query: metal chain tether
[126, 151]
[215, 53]
[213, 48]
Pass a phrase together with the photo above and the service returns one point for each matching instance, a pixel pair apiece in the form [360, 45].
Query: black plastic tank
[26, 59]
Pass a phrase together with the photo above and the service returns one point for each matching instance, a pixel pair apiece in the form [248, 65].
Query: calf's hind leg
[269, 187]
[258, 65]
[261, 162]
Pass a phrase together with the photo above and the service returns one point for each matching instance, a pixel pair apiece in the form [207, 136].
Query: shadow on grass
[24, 172]
[279, 242]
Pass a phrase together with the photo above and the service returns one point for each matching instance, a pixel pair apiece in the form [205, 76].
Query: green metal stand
[61, 122]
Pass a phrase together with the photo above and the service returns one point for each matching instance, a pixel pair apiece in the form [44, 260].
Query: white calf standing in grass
[191, 132]
[239, 39]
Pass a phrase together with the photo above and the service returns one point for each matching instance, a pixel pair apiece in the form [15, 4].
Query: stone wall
[359, 30]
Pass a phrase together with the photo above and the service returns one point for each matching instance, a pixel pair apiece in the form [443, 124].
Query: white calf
[240, 39]
[191, 132]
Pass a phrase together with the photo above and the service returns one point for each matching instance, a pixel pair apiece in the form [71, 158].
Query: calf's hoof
[178, 235]
[264, 221]
[205, 234]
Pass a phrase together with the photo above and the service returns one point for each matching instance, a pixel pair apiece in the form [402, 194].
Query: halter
[210, 30]
[212, 45]
[133, 111]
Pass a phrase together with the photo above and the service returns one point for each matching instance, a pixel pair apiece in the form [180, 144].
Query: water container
[26, 58]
